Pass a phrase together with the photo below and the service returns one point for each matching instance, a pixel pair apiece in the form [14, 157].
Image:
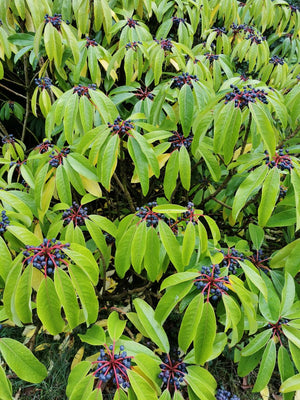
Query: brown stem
[124, 189]
[221, 202]
[226, 180]
[12, 91]
[31, 342]
[27, 84]
[289, 137]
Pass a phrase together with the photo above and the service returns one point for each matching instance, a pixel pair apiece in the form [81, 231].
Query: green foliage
[151, 145]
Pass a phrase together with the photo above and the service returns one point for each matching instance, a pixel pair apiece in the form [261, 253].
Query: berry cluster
[172, 372]
[243, 77]
[165, 44]
[242, 27]
[109, 238]
[255, 38]
[132, 45]
[210, 283]
[151, 217]
[276, 60]
[90, 42]
[76, 213]
[55, 20]
[282, 192]
[190, 215]
[223, 394]
[211, 57]
[57, 159]
[8, 139]
[11, 105]
[44, 147]
[177, 20]
[276, 328]
[120, 127]
[179, 81]
[113, 366]
[143, 94]
[177, 140]
[294, 9]
[43, 83]
[17, 163]
[280, 160]
[258, 259]
[132, 23]
[46, 256]
[1, 23]
[4, 222]
[220, 31]
[231, 259]
[84, 90]
[243, 97]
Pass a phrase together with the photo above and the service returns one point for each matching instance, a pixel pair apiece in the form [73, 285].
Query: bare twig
[12, 91]
[124, 189]
[221, 202]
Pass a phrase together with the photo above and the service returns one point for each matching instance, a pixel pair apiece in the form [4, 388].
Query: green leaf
[287, 295]
[257, 343]
[171, 174]
[188, 244]
[295, 178]
[175, 279]
[286, 368]
[81, 165]
[5, 259]
[86, 293]
[185, 167]
[94, 336]
[269, 196]
[205, 334]
[252, 273]
[292, 333]
[63, 185]
[109, 160]
[76, 374]
[247, 364]
[115, 326]
[23, 296]
[291, 384]
[67, 297]
[257, 235]
[201, 382]
[151, 325]
[233, 312]
[169, 300]
[84, 259]
[250, 185]
[71, 110]
[140, 163]
[6, 388]
[190, 322]
[210, 161]
[20, 359]
[141, 386]
[122, 257]
[171, 245]
[266, 367]
[264, 126]
[152, 254]
[49, 307]
[186, 108]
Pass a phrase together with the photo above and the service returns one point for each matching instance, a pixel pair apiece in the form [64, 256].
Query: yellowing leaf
[93, 357]
[174, 63]
[237, 153]
[297, 395]
[91, 186]
[28, 331]
[37, 277]
[78, 357]
[265, 393]
[42, 346]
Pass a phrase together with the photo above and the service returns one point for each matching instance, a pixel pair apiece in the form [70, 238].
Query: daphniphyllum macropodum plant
[150, 194]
